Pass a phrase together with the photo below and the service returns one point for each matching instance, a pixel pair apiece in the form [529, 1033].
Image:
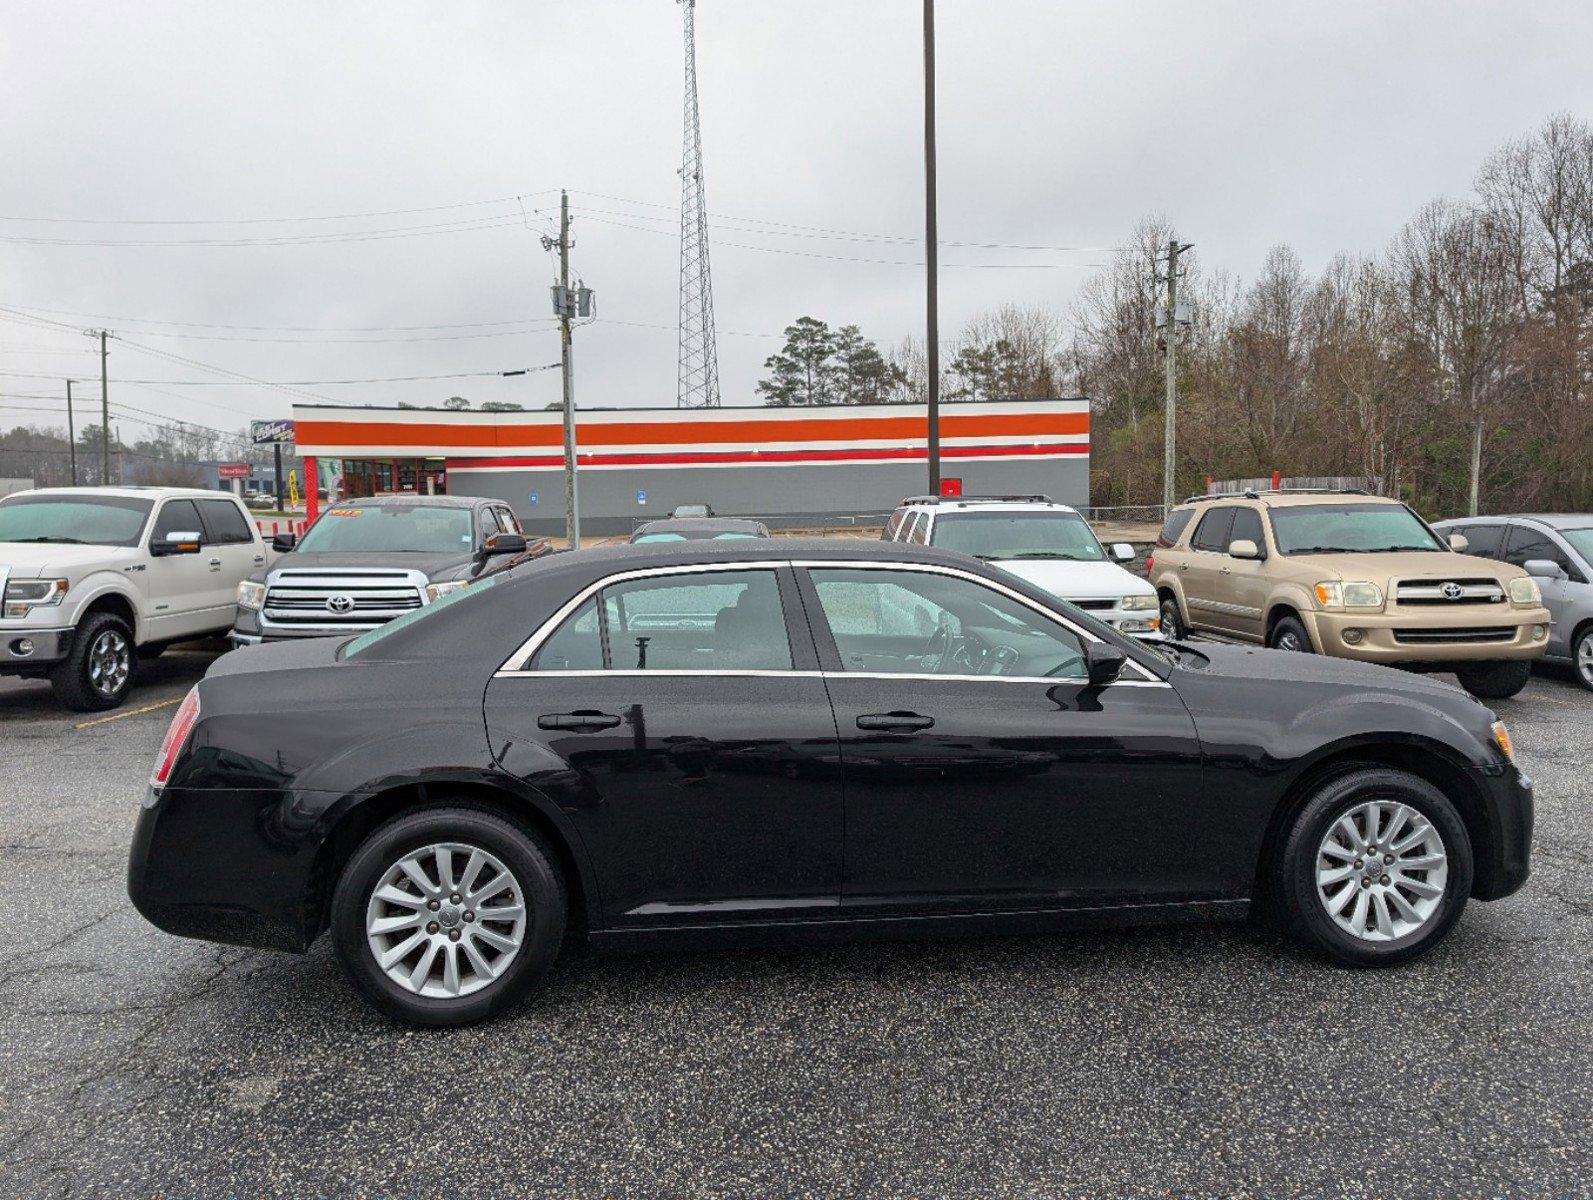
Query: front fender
[99, 584]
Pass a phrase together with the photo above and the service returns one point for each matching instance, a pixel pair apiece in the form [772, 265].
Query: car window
[1247, 527]
[91, 520]
[1526, 543]
[919, 533]
[659, 537]
[224, 522]
[176, 516]
[899, 622]
[1212, 532]
[507, 519]
[1013, 535]
[1349, 528]
[1485, 541]
[576, 645]
[489, 522]
[894, 524]
[390, 528]
[1177, 521]
[715, 621]
[1582, 539]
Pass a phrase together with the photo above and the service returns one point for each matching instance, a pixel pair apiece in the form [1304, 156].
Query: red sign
[232, 470]
[951, 486]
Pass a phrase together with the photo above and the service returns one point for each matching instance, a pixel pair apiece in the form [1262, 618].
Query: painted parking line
[132, 712]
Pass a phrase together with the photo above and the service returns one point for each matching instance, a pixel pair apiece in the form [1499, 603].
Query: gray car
[1557, 550]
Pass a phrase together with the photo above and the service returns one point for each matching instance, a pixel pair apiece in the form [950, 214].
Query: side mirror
[1458, 543]
[284, 541]
[1103, 662]
[1123, 552]
[1544, 568]
[1244, 548]
[503, 543]
[183, 542]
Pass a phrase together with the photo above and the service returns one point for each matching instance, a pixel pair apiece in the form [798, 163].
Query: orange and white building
[784, 464]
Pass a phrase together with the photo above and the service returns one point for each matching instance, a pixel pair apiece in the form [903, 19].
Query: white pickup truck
[93, 579]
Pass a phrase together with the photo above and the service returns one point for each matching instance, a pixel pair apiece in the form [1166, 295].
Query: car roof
[698, 524]
[1553, 520]
[1291, 499]
[131, 492]
[974, 504]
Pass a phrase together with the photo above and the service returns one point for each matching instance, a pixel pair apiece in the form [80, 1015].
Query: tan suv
[1351, 575]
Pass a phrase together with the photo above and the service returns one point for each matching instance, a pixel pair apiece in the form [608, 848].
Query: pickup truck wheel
[98, 671]
[1494, 680]
[1375, 870]
[1290, 634]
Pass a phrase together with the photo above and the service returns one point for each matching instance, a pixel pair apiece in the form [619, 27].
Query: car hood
[1251, 662]
[1381, 569]
[29, 560]
[1077, 580]
[434, 566]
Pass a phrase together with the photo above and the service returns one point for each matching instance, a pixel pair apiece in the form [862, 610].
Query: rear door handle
[894, 720]
[584, 719]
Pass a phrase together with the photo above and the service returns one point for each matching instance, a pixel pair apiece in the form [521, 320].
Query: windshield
[690, 537]
[1010, 535]
[1582, 539]
[1349, 529]
[90, 520]
[356, 646]
[421, 528]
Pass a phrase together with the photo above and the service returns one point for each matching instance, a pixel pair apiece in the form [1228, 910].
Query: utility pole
[71, 435]
[572, 496]
[105, 415]
[931, 252]
[1170, 448]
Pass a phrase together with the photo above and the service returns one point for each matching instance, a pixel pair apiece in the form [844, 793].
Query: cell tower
[698, 381]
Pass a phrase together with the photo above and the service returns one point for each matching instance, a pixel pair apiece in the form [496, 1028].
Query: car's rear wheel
[448, 915]
[97, 672]
[1582, 658]
[1289, 634]
[1172, 620]
[1375, 869]
[1494, 680]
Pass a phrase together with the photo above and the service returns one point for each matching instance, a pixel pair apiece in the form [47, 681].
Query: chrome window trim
[529, 647]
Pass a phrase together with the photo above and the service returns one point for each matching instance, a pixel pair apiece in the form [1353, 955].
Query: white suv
[1041, 541]
[94, 578]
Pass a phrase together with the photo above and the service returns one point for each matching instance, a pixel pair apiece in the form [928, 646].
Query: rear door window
[1177, 522]
[919, 533]
[893, 526]
[1212, 532]
[224, 522]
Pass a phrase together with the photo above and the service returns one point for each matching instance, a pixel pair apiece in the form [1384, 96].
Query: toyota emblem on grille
[342, 604]
[1453, 591]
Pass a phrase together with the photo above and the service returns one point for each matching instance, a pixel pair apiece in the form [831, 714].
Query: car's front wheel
[1376, 869]
[1582, 658]
[1172, 620]
[446, 916]
[97, 672]
[1289, 634]
[1494, 680]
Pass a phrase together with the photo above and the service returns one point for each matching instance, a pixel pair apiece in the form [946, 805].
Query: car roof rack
[1256, 494]
[1035, 499]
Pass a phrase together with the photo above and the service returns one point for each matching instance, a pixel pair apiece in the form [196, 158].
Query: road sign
[531, 498]
[266, 432]
[641, 496]
[232, 470]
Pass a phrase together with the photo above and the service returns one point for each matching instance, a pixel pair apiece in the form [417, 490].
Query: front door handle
[585, 718]
[895, 721]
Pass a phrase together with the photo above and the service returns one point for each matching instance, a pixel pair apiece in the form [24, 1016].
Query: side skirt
[743, 934]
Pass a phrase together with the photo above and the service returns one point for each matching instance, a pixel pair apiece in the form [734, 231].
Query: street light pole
[71, 434]
[931, 252]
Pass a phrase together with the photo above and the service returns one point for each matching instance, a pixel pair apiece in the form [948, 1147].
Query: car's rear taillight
[1150, 562]
[181, 725]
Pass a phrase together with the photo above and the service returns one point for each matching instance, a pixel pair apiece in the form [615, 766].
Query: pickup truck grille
[339, 599]
[1467, 636]
[1444, 593]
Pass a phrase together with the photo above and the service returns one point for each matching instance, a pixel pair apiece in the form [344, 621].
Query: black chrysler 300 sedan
[724, 743]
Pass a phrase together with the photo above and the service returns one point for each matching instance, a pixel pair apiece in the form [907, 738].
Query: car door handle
[894, 720]
[586, 718]
[1183, 566]
[1227, 570]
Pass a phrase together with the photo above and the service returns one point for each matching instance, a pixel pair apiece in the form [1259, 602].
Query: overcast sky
[1321, 125]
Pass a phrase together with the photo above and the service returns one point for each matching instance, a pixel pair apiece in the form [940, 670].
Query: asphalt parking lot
[1191, 1061]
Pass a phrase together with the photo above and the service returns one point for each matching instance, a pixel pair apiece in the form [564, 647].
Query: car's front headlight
[24, 595]
[1525, 591]
[1357, 593]
[251, 595]
[436, 591]
[1139, 603]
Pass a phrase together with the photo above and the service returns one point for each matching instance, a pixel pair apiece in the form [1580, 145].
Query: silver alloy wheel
[110, 661]
[1584, 658]
[445, 920]
[1381, 871]
[1288, 640]
[1172, 625]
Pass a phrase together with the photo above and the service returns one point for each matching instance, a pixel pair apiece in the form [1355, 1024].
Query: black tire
[1582, 658]
[81, 680]
[542, 893]
[1303, 913]
[1172, 620]
[1494, 680]
[1290, 634]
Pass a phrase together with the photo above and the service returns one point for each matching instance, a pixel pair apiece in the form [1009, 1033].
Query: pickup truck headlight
[1525, 591]
[436, 590]
[24, 595]
[251, 595]
[1358, 594]
[1138, 603]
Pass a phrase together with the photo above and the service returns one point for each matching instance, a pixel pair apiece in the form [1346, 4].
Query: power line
[125, 320]
[391, 212]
